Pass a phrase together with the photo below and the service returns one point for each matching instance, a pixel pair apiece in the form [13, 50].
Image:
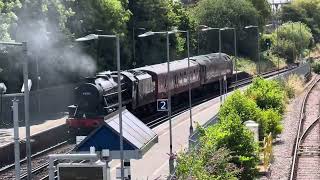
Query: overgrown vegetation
[264, 103]
[305, 11]
[290, 40]
[293, 85]
[316, 67]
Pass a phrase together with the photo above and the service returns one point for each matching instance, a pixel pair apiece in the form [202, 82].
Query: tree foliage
[267, 94]
[291, 39]
[264, 9]
[226, 151]
[238, 103]
[228, 13]
[305, 11]
[158, 15]
[8, 17]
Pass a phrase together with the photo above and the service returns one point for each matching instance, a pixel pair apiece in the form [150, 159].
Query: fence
[267, 151]
[47, 101]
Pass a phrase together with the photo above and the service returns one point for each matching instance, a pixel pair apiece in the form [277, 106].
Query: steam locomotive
[141, 87]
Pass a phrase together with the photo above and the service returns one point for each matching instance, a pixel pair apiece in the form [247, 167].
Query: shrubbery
[270, 121]
[316, 67]
[292, 85]
[227, 150]
[239, 157]
[237, 103]
[267, 94]
[290, 39]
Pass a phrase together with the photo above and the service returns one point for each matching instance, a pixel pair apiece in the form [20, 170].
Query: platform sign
[81, 171]
[162, 105]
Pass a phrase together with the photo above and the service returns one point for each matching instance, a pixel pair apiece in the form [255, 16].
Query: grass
[294, 85]
[268, 62]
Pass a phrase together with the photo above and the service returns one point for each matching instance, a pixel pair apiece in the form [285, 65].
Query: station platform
[155, 163]
[6, 135]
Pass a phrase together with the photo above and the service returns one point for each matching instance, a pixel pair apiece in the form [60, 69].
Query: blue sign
[162, 105]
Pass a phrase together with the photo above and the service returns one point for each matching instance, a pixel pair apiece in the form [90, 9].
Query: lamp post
[116, 37]
[235, 47]
[134, 63]
[206, 28]
[258, 46]
[26, 103]
[167, 33]
[3, 89]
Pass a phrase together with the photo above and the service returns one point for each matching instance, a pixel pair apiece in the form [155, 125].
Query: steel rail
[6, 168]
[301, 120]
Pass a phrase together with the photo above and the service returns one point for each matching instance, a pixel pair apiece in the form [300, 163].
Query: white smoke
[52, 48]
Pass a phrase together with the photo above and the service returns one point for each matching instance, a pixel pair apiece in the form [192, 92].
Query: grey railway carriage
[141, 87]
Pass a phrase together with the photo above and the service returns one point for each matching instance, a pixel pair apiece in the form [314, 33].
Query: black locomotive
[141, 87]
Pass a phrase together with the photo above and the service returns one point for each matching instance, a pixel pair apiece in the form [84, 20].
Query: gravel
[284, 144]
[10, 174]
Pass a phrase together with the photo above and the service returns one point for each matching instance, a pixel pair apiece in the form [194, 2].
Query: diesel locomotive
[141, 87]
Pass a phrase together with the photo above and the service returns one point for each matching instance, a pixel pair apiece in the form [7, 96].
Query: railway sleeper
[309, 151]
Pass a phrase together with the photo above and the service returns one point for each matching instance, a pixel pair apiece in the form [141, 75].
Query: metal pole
[221, 85]
[235, 52]
[301, 48]
[133, 46]
[51, 168]
[189, 84]
[225, 87]
[171, 158]
[277, 40]
[258, 45]
[293, 48]
[198, 42]
[1, 94]
[120, 106]
[220, 44]
[26, 111]
[15, 113]
[38, 84]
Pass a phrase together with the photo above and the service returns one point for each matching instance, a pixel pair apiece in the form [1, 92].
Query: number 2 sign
[162, 105]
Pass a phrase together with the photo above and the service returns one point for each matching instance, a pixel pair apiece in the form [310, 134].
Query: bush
[291, 39]
[293, 85]
[267, 94]
[316, 67]
[218, 165]
[239, 104]
[270, 122]
[306, 11]
[233, 135]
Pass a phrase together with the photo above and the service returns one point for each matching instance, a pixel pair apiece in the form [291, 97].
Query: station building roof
[137, 137]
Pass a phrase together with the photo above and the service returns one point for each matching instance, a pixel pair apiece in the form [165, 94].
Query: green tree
[8, 17]
[240, 104]
[228, 13]
[267, 94]
[233, 135]
[291, 39]
[158, 15]
[306, 11]
[102, 17]
[264, 8]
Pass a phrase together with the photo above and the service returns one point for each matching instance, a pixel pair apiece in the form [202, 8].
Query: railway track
[39, 161]
[306, 155]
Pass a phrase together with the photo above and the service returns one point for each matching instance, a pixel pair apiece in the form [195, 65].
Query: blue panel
[104, 138]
